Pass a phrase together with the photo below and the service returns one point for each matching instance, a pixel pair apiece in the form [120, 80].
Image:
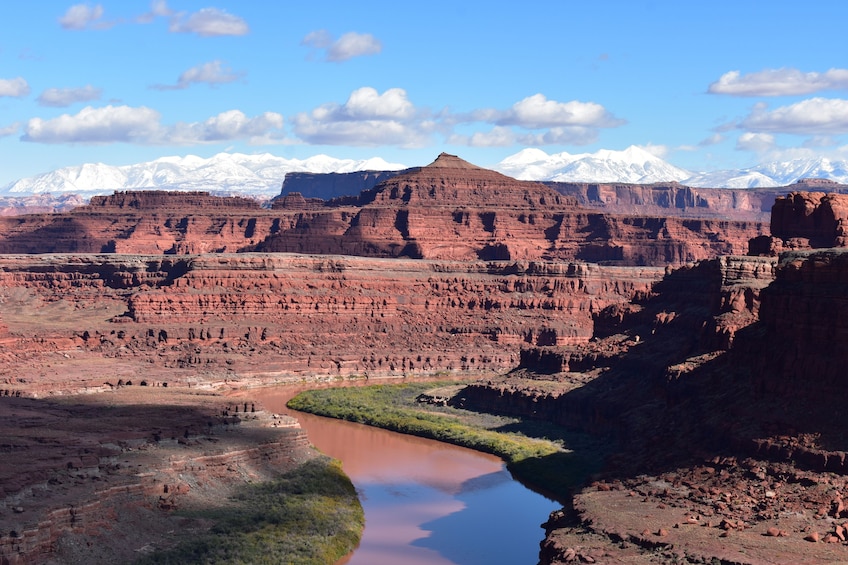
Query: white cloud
[498, 136]
[226, 126]
[84, 16]
[819, 142]
[352, 45]
[656, 150]
[346, 47]
[95, 125]
[562, 123]
[537, 112]
[573, 135]
[319, 39]
[125, 124]
[11, 129]
[367, 118]
[366, 103]
[369, 132]
[209, 22]
[757, 142]
[779, 82]
[158, 9]
[714, 139]
[815, 116]
[62, 97]
[14, 87]
[211, 73]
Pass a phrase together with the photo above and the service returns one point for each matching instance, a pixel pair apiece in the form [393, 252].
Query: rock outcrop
[673, 199]
[805, 318]
[326, 186]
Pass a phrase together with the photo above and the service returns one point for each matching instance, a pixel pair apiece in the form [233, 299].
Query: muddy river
[427, 502]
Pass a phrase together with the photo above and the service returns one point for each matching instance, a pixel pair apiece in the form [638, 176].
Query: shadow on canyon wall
[675, 389]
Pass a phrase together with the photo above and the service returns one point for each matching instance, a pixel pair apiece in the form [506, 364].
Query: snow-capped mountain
[234, 173]
[262, 175]
[774, 174]
[633, 165]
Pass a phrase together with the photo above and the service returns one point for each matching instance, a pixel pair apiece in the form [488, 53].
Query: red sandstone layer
[293, 316]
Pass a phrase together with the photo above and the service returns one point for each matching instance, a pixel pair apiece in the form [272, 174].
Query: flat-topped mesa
[168, 200]
[451, 181]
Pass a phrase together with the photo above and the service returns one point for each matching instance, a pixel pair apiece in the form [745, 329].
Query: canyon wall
[673, 199]
[804, 315]
[306, 315]
[327, 186]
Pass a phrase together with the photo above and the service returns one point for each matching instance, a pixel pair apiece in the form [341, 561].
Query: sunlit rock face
[449, 209]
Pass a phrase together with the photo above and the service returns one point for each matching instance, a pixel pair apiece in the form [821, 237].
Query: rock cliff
[733, 368]
[326, 186]
[302, 315]
[676, 200]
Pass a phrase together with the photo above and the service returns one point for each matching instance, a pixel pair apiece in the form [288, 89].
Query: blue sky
[706, 86]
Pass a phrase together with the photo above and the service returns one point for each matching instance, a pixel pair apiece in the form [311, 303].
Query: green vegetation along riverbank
[308, 516]
[538, 454]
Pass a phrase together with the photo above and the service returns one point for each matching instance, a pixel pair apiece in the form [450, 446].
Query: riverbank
[545, 457]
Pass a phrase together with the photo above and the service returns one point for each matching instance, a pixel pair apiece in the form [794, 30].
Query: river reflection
[426, 502]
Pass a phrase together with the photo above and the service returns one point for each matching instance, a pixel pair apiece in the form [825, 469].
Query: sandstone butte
[657, 334]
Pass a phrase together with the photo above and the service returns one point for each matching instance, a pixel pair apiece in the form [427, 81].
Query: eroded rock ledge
[81, 473]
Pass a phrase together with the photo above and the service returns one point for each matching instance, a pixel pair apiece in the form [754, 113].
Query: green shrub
[541, 463]
[309, 516]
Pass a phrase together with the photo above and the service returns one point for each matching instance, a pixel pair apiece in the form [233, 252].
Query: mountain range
[224, 173]
[262, 175]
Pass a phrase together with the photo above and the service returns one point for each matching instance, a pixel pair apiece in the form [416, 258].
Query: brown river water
[426, 502]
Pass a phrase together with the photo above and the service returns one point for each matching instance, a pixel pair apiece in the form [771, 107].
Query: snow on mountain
[262, 175]
[633, 165]
[732, 179]
[233, 173]
[790, 171]
[774, 174]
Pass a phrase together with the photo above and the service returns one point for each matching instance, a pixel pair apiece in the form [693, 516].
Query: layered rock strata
[306, 315]
[722, 391]
[449, 209]
[669, 199]
[673, 199]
